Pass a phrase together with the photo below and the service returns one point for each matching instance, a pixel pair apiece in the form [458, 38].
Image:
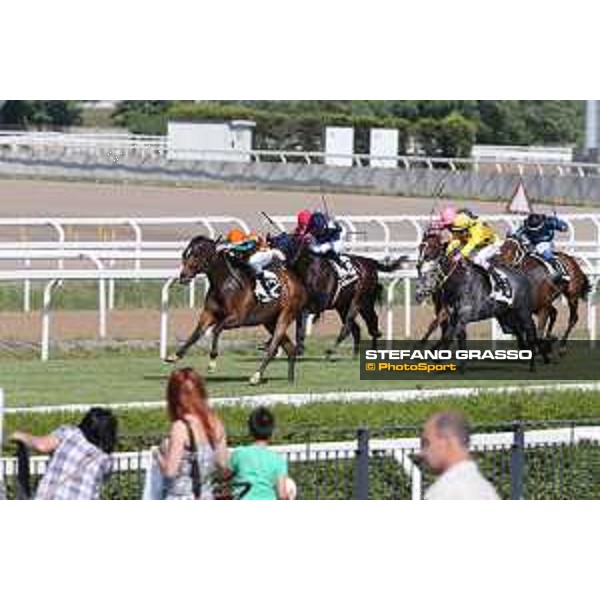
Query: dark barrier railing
[536, 460]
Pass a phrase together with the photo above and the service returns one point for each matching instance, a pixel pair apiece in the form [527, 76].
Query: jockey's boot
[560, 275]
[501, 291]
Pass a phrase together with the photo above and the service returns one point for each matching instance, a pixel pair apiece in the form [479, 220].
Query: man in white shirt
[445, 448]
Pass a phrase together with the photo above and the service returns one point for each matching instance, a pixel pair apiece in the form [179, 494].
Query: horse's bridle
[520, 253]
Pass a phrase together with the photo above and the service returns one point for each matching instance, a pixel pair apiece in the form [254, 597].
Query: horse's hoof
[329, 356]
[172, 358]
[212, 366]
[256, 378]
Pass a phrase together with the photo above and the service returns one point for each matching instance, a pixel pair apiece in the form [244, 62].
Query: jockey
[446, 217]
[477, 241]
[302, 223]
[326, 236]
[254, 250]
[539, 231]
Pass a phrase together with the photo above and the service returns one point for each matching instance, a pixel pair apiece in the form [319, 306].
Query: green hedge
[452, 135]
[336, 420]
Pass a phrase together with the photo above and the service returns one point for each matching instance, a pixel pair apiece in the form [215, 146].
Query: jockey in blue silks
[539, 231]
[326, 235]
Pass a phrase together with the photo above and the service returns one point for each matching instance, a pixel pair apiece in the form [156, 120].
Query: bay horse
[515, 252]
[465, 290]
[231, 302]
[357, 298]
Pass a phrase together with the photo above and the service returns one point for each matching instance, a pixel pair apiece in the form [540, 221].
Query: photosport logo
[479, 360]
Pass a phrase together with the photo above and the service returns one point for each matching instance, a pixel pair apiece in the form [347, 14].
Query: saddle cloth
[504, 290]
[557, 272]
[345, 271]
[273, 287]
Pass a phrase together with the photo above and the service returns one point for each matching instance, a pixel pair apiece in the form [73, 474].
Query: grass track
[106, 376]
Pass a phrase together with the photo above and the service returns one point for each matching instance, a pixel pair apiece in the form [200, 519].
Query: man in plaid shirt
[80, 459]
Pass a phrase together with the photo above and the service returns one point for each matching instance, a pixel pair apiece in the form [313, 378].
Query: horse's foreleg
[214, 348]
[369, 314]
[301, 320]
[292, 353]
[205, 320]
[552, 314]
[433, 325]
[348, 317]
[278, 336]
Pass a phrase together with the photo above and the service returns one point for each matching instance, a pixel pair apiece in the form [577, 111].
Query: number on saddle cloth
[268, 287]
[344, 270]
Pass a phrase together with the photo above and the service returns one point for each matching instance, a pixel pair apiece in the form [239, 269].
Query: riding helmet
[534, 221]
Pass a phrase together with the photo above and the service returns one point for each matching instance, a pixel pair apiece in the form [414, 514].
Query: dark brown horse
[546, 289]
[231, 303]
[357, 298]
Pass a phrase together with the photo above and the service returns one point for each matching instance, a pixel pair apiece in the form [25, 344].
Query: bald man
[445, 448]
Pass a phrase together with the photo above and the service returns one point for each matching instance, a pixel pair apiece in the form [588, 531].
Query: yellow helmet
[462, 222]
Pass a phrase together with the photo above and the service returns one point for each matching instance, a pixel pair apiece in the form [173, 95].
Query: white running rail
[139, 257]
[115, 146]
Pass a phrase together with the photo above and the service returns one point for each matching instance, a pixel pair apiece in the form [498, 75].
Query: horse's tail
[586, 286]
[378, 295]
[391, 265]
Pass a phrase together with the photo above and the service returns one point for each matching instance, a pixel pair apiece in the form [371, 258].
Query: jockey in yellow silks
[472, 239]
[477, 241]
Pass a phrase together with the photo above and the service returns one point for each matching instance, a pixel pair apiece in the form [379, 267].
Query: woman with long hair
[196, 446]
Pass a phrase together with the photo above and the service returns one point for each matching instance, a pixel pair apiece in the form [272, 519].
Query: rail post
[517, 462]
[46, 317]
[101, 297]
[164, 317]
[361, 477]
[390, 308]
[407, 308]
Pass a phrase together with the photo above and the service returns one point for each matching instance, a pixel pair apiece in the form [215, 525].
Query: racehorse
[325, 291]
[514, 252]
[465, 294]
[231, 303]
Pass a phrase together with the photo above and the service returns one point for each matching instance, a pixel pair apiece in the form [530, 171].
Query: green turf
[126, 375]
[83, 295]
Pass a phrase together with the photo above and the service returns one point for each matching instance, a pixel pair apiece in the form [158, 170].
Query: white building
[210, 140]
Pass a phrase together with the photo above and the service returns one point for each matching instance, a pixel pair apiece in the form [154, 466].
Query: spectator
[80, 460]
[196, 446]
[445, 448]
[257, 466]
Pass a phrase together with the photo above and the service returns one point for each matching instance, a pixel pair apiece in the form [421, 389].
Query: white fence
[142, 258]
[116, 147]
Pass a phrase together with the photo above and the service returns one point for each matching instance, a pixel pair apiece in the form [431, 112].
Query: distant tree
[142, 116]
[41, 113]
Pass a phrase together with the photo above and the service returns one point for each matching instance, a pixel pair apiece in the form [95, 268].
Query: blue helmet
[318, 222]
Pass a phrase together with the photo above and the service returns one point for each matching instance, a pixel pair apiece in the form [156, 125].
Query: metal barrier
[556, 460]
[114, 147]
[394, 235]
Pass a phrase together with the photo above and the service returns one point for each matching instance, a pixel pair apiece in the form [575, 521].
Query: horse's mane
[195, 241]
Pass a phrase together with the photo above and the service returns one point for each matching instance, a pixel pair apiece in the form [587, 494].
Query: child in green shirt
[257, 466]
